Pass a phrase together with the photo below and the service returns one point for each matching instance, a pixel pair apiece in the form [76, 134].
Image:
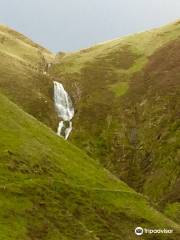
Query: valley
[119, 168]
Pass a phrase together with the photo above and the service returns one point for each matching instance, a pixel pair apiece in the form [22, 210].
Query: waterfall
[64, 109]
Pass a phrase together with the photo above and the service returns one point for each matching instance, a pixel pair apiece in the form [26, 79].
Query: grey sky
[66, 25]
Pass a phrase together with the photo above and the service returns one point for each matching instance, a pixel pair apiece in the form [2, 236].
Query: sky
[69, 25]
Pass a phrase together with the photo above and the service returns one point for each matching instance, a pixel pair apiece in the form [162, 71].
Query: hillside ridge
[56, 183]
[121, 164]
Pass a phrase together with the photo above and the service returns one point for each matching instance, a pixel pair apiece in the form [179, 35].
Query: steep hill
[50, 189]
[126, 93]
[23, 75]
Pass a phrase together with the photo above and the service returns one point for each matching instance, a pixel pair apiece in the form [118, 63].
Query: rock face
[64, 108]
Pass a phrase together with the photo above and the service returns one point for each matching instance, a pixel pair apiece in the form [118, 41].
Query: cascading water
[65, 110]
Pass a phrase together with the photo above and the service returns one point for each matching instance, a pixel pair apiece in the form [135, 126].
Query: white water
[65, 110]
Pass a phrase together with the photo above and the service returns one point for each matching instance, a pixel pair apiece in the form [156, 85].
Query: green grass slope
[49, 189]
[20, 47]
[22, 75]
[126, 94]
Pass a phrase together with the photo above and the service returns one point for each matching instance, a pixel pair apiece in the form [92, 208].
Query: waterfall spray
[65, 110]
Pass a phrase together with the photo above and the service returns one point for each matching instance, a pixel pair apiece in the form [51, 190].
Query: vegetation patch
[120, 88]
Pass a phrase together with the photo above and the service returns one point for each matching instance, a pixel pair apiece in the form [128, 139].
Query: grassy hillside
[126, 94]
[22, 75]
[50, 189]
[121, 53]
[23, 49]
